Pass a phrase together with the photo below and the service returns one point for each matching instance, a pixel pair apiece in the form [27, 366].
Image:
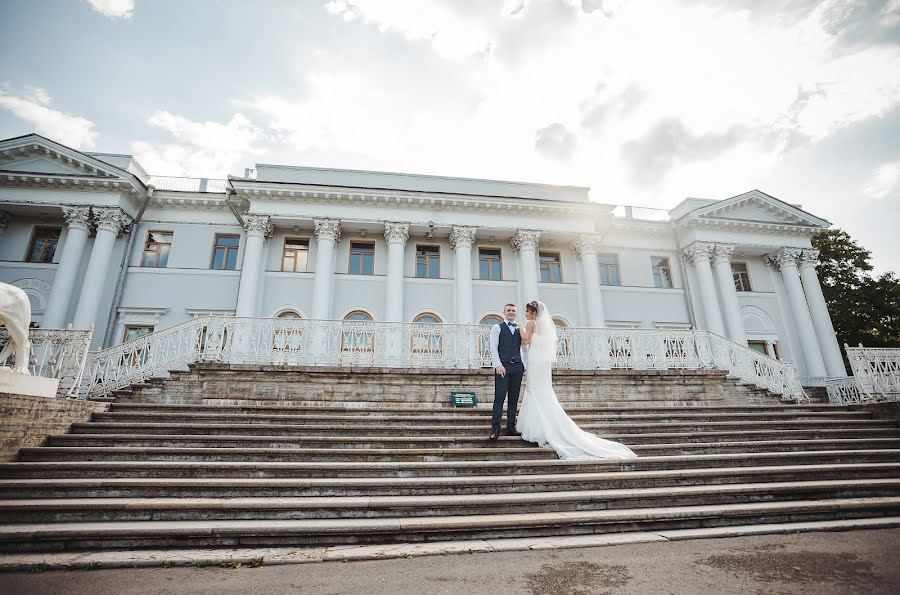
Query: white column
[258, 228]
[396, 235]
[694, 291]
[585, 247]
[698, 253]
[525, 243]
[109, 222]
[786, 261]
[328, 233]
[828, 343]
[734, 324]
[77, 220]
[461, 240]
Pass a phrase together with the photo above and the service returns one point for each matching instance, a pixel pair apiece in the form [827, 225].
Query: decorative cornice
[77, 217]
[257, 226]
[585, 245]
[396, 233]
[722, 253]
[110, 219]
[328, 229]
[462, 237]
[809, 258]
[751, 226]
[698, 251]
[526, 239]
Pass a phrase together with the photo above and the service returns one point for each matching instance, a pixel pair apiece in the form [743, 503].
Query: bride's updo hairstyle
[532, 307]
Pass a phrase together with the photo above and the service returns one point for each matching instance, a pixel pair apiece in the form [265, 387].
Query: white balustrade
[305, 342]
[57, 353]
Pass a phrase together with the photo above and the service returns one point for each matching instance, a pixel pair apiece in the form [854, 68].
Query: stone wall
[222, 384]
[27, 421]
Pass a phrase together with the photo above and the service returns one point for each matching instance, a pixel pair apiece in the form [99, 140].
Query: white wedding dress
[541, 418]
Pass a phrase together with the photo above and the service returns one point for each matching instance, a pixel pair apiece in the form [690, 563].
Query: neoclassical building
[94, 239]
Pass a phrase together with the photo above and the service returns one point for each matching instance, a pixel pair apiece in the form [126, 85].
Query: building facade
[95, 240]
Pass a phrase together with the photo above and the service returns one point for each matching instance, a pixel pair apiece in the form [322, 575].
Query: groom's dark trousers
[507, 388]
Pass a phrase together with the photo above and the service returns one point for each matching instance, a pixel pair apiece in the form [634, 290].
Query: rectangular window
[741, 276]
[225, 252]
[136, 331]
[139, 356]
[489, 264]
[295, 255]
[43, 244]
[609, 269]
[156, 249]
[428, 262]
[551, 268]
[662, 273]
[362, 258]
[759, 346]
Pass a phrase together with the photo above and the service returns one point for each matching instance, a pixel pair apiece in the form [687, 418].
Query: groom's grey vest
[510, 345]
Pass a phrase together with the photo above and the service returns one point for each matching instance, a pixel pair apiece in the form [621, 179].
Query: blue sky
[646, 103]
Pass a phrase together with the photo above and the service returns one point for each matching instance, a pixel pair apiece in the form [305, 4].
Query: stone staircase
[228, 465]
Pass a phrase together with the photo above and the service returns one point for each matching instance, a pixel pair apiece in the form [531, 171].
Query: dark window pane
[231, 261]
[228, 241]
[218, 258]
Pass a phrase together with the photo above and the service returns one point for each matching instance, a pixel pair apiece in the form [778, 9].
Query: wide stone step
[419, 486]
[346, 507]
[267, 532]
[253, 438]
[225, 452]
[498, 468]
[374, 427]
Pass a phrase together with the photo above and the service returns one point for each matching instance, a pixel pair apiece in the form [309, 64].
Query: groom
[506, 357]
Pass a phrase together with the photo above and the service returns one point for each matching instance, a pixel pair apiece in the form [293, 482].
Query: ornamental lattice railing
[57, 353]
[876, 377]
[303, 342]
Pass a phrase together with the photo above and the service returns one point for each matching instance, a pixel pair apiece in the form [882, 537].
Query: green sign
[463, 398]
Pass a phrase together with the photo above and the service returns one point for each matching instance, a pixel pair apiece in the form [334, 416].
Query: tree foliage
[864, 308]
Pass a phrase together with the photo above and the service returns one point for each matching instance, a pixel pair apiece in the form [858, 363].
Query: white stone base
[23, 384]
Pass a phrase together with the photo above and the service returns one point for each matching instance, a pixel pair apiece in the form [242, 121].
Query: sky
[647, 103]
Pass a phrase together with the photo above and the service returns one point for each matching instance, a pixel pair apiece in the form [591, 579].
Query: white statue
[15, 314]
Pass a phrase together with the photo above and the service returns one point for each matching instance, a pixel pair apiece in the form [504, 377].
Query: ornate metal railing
[876, 374]
[57, 353]
[845, 391]
[283, 341]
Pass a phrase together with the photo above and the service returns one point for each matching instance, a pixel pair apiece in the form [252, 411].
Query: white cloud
[885, 182]
[33, 107]
[114, 9]
[204, 149]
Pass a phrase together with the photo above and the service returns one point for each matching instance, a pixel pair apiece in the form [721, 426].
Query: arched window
[564, 347]
[356, 334]
[426, 338]
[287, 335]
[289, 314]
[484, 345]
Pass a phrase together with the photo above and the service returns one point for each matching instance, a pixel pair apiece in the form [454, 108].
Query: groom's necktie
[512, 326]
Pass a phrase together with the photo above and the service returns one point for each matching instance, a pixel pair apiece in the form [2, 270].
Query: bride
[542, 419]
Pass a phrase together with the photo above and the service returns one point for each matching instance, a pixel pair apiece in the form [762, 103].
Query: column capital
[526, 239]
[585, 245]
[786, 257]
[258, 226]
[722, 253]
[110, 219]
[77, 217]
[698, 251]
[328, 229]
[809, 258]
[462, 237]
[396, 233]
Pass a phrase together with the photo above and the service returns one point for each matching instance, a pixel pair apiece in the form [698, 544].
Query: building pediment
[753, 208]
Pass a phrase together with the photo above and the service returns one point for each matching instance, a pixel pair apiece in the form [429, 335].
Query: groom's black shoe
[495, 433]
[512, 432]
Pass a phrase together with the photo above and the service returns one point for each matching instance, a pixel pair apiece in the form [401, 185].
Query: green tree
[864, 308]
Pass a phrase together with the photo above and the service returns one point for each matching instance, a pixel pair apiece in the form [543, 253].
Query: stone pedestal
[22, 384]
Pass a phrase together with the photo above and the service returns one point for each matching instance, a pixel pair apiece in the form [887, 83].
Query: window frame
[558, 261]
[147, 243]
[34, 238]
[668, 268]
[618, 266]
[350, 256]
[436, 344]
[499, 262]
[428, 257]
[746, 273]
[284, 250]
[370, 348]
[226, 248]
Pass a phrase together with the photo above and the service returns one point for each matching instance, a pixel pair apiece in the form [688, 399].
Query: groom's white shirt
[494, 344]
